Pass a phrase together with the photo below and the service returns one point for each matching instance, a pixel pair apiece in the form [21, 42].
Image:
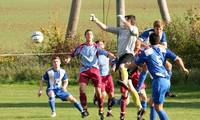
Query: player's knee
[158, 107]
[51, 93]
[71, 99]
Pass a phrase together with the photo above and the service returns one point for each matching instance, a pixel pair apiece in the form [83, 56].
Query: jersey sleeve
[171, 55]
[144, 36]
[102, 51]
[114, 30]
[163, 39]
[134, 31]
[45, 77]
[140, 59]
[76, 51]
[65, 77]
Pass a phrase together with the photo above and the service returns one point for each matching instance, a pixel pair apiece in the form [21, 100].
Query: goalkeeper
[127, 41]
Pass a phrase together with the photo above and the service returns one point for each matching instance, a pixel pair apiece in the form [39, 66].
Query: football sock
[123, 104]
[83, 100]
[144, 104]
[153, 113]
[52, 104]
[78, 106]
[135, 98]
[162, 115]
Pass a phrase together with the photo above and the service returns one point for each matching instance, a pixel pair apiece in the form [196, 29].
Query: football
[37, 37]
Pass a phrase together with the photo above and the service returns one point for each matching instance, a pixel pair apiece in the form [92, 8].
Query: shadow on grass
[195, 105]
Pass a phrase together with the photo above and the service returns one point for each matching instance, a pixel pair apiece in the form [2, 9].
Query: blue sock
[153, 113]
[162, 115]
[141, 79]
[119, 101]
[52, 104]
[78, 106]
[144, 104]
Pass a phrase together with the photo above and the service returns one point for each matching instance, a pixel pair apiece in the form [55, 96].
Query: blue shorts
[63, 95]
[159, 88]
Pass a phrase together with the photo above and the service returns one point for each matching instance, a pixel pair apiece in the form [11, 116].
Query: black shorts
[127, 57]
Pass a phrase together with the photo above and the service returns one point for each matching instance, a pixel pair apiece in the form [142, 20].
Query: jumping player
[89, 70]
[127, 37]
[107, 87]
[154, 58]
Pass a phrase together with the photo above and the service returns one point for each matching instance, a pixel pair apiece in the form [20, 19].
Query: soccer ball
[37, 37]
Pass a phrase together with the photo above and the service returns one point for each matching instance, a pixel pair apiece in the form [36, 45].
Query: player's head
[89, 35]
[100, 43]
[158, 27]
[56, 62]
[131, 19]
[154, 39]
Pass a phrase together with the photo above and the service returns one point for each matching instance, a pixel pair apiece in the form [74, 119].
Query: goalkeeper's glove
[93, 17]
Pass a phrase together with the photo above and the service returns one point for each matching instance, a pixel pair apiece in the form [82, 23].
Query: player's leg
[159, 89]
[77, 105]
[168, 66]
[109, 88]
[153, 113]
[123, 103]
[136, 100]
[51, 96]
[143, 98]
[134, 95]
[83, 81]
[96, 79]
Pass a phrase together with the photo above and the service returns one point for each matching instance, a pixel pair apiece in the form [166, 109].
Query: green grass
[21, 102]
[19, 18]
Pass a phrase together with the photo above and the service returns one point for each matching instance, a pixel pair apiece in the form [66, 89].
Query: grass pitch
[20, 102]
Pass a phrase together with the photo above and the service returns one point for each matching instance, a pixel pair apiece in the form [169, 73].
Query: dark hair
[98, 41]
[55, 57]
[132, 18]
[158, 23]
[86, 31]
[154, 39]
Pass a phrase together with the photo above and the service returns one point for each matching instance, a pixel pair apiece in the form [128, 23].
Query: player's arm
[133, 29]
[177, 60]
[45, 77]
[99, 23]
[76, 52]
[41, 88]
[137, 47]
[180, 63]
[111, 56]
[65, 84]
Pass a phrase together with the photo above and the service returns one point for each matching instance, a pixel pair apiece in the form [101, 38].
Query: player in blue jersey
[155, 58]
[57, 82]
[127, 39]
[144, 37]
[107, 86]
[89, 53]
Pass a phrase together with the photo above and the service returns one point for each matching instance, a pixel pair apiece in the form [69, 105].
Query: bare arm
[179, 62]
[122, 18]
[65, 84]
[99, 23]
[111, 55]
[41, 87]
